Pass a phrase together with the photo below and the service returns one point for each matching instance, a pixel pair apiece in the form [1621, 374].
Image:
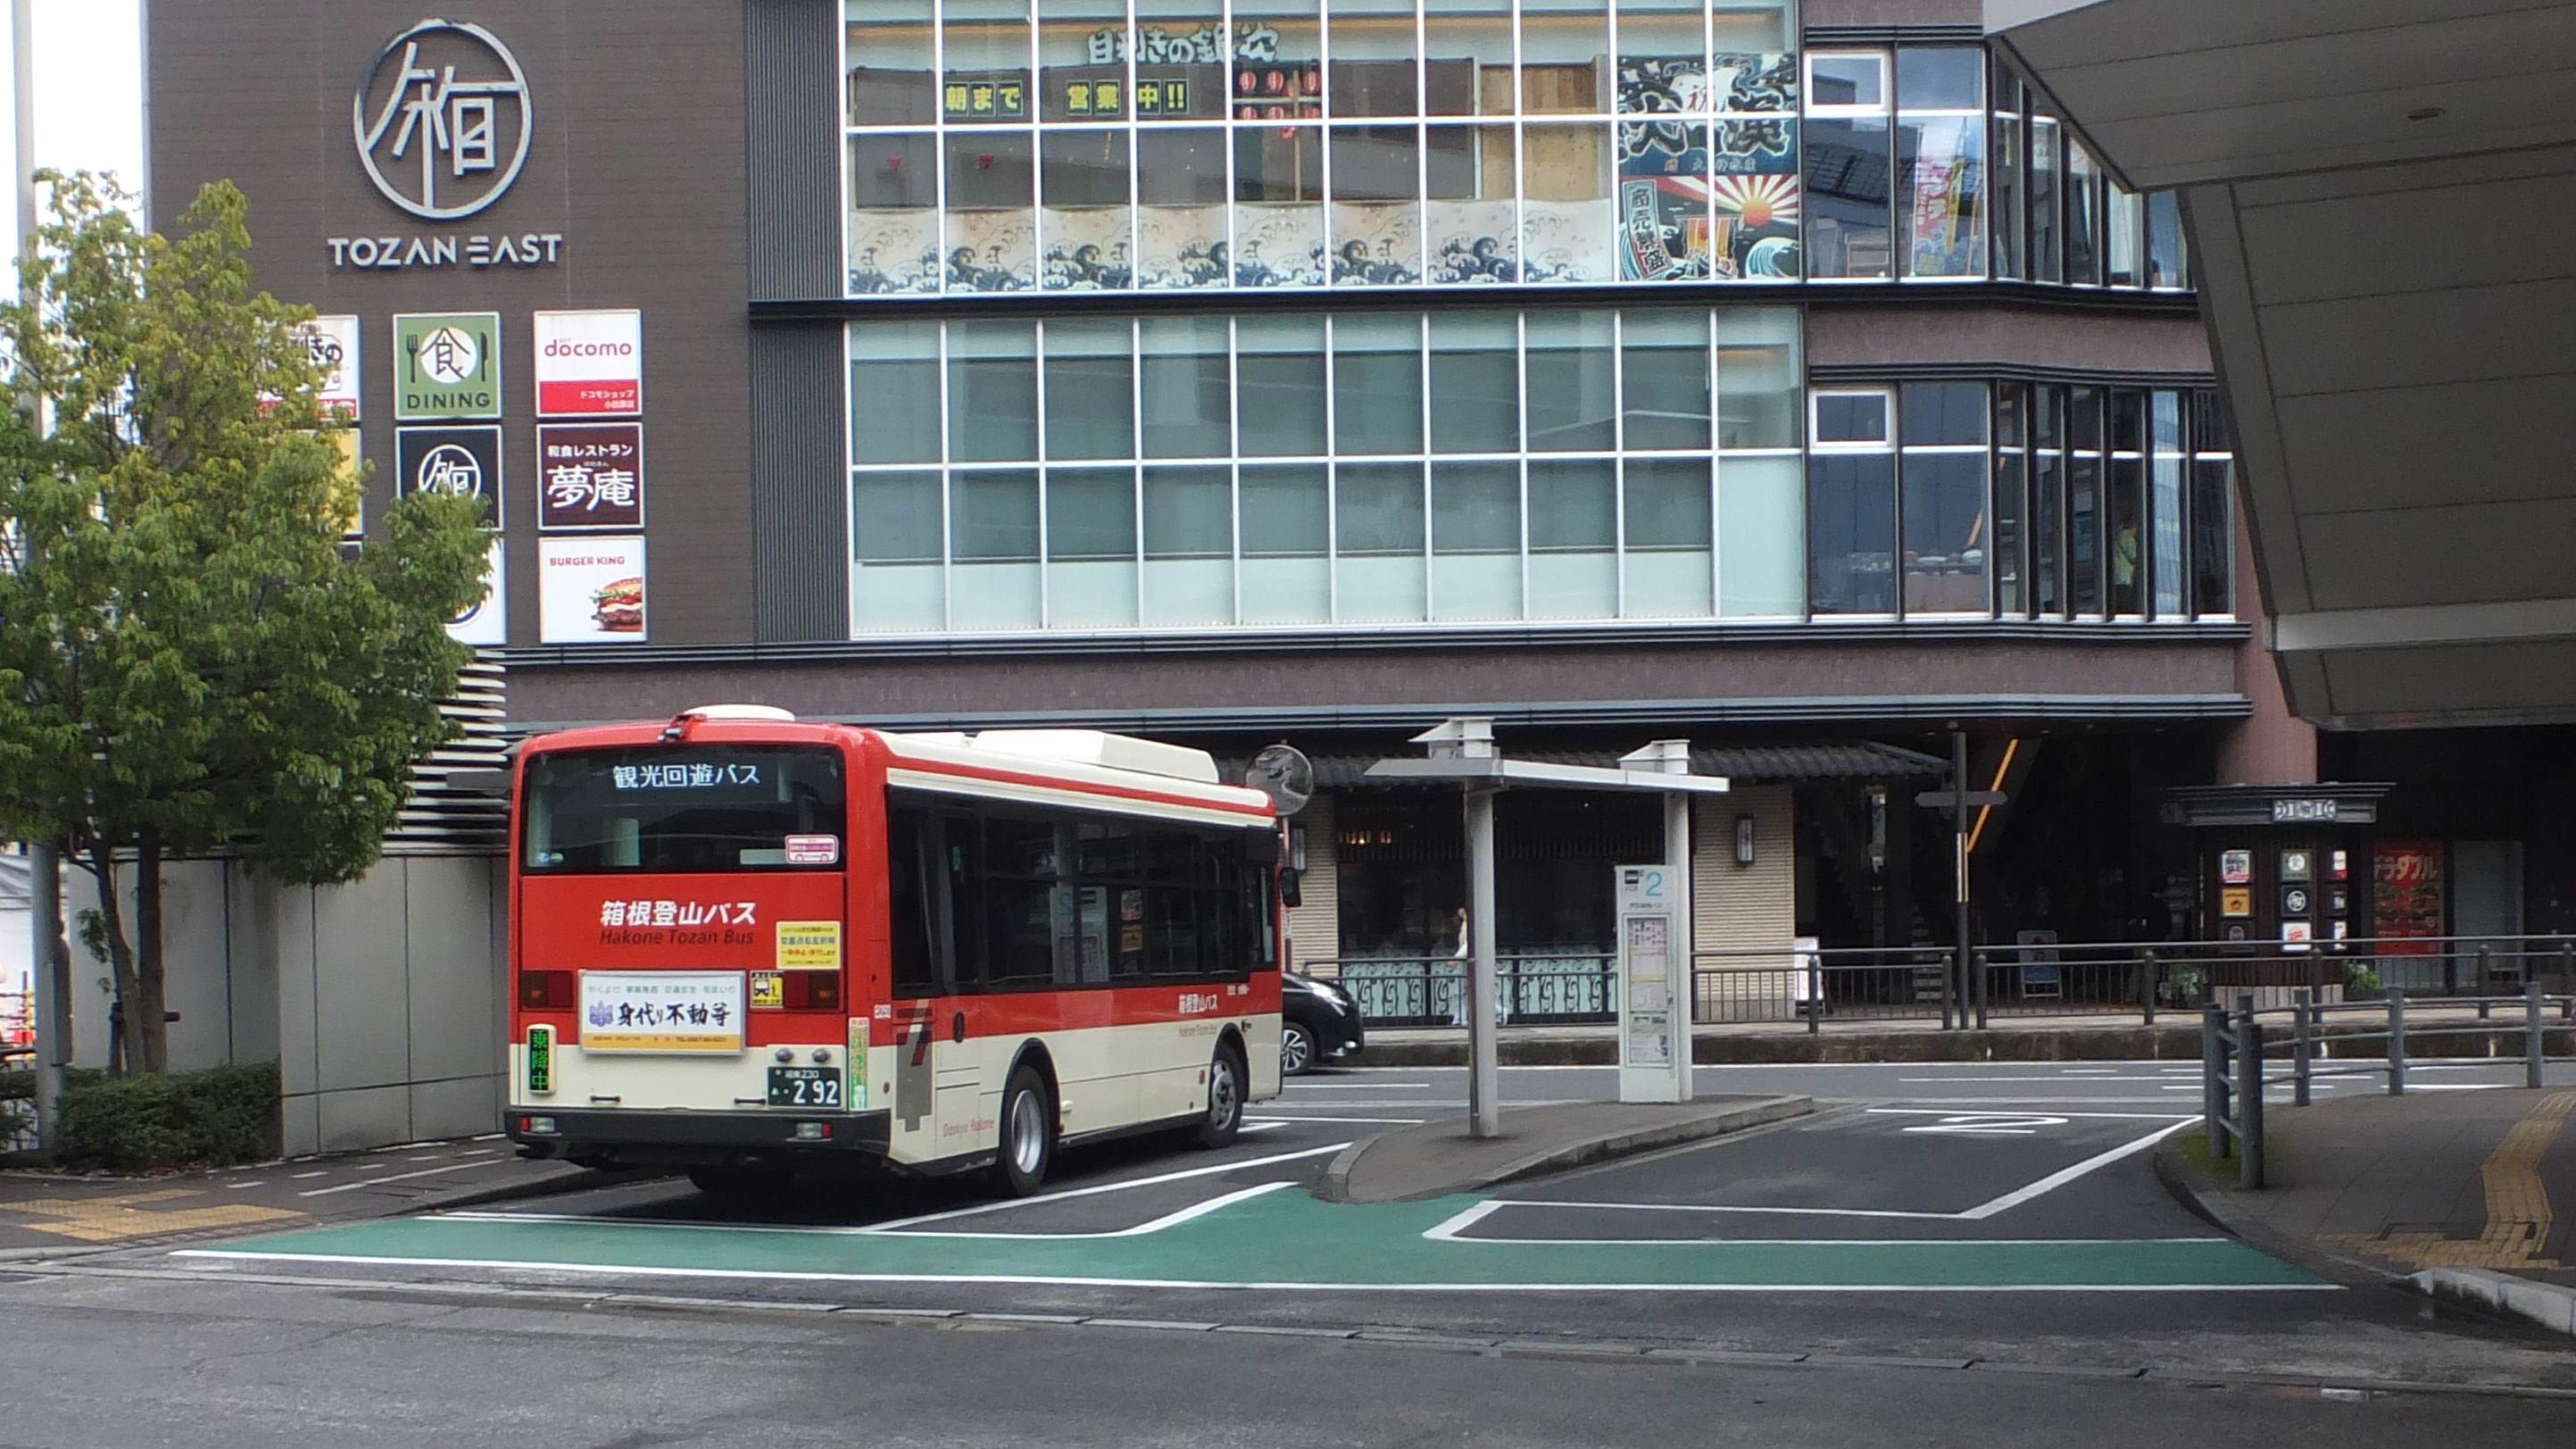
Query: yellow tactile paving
[115, 1219]
[2518, 1213]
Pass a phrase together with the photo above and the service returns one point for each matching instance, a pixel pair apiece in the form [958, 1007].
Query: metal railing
[1852, 985]
[1554, 988]
[2118, 980]
[2233, 1044]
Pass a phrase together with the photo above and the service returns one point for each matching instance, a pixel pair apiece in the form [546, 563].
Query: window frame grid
[2023, 121]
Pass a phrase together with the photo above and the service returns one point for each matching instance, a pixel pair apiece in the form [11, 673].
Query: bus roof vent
[737, 711]
[1098, 747]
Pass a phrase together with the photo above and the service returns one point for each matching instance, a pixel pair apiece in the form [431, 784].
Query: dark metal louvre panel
[792, 152]
[441, 819]
[800, 484]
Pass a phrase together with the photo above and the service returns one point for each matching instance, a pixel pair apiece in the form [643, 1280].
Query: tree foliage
[189, 660]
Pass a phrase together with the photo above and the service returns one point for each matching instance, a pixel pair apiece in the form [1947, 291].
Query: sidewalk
[2462, 1193]
[46, 1215]
[1436, 1158]
[2174, 1037]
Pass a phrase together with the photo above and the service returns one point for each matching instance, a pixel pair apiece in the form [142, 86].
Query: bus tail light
[545, 991]
[810, 991]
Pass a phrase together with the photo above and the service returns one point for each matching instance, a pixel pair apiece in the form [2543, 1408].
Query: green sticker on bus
[541, 1059]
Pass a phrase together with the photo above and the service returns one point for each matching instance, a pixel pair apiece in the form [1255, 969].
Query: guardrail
[2232, 1046]
[1556, 988]
[2128, 980]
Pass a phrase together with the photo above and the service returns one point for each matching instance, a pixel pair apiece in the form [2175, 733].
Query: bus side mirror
[494, 783]
[1289, 895]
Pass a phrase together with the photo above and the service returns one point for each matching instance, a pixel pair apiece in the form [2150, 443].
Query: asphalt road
[107, 1365]
[1950, 1253]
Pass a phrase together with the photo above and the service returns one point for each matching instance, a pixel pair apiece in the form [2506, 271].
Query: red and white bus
[744, 945]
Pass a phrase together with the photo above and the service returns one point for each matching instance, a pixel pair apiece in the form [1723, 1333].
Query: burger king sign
[590, 590]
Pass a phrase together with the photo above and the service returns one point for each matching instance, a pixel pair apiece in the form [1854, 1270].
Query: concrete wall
[381, 1001]
[1750, 909]
[1315, 928]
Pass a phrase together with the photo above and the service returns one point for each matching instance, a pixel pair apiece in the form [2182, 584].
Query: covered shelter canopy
[2381, 195]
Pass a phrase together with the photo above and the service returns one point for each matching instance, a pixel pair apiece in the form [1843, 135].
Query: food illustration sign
[2407, 896]
[590, 590]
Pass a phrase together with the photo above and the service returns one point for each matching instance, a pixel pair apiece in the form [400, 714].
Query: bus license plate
[805, 1087]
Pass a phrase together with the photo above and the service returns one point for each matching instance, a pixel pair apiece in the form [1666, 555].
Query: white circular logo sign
[443, 120]
[451, 469]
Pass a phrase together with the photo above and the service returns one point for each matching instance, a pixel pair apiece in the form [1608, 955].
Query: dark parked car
[1318, 1022]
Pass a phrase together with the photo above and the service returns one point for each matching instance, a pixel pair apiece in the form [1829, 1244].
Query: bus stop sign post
[1462, 752]
[1654, 930]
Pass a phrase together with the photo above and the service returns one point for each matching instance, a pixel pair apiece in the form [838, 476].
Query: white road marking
[1936, 1112]
[1098, 1188]
[1394, 1121]
[1048, 1281]
[1156, 1225]
[1988, 1124]
[1357, 1087]
[300, 1176]
[872, 1229]
[397, 1177]
[254, 1182]
[1982, 1211]
[2065, 1175]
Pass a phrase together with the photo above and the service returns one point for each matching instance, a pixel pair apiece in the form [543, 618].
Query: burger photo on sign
[619, 607]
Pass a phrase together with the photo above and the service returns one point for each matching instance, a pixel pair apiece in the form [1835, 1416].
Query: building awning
[1742, 764]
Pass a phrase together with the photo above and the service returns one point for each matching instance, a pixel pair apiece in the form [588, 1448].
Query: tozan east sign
[443, 124]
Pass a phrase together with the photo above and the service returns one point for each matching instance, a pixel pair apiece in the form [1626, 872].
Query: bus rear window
[677, 809]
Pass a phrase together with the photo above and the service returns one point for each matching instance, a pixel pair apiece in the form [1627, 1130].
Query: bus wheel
[1227, 1086]
[741, 1184]
[1028, 1135]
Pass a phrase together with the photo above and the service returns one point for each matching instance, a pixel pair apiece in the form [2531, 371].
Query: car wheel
[1296, 1048]
[1226, 1087]
[1028, 1135]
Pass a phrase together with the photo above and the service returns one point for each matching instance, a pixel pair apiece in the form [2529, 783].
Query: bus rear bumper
[643, 1137]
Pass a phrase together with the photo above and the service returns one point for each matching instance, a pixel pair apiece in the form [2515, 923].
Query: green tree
[189, 662]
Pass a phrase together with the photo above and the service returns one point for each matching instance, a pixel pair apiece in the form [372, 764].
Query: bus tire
[1027, 1147]
[1228, 1085]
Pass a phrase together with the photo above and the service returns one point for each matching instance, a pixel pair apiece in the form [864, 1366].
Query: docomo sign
[590, 364]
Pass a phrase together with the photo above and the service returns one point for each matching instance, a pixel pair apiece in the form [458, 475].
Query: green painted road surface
[1285, 1240]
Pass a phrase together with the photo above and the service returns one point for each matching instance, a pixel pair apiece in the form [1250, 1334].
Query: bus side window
[961, 879]
[911, 840]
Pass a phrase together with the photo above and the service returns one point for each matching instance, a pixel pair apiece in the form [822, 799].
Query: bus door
[938, 1075]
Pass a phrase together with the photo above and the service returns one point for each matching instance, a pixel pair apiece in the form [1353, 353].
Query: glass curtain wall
[1494, 467]
[2057, 217]
[1089, 145]
[1158, 145]
[1364, 469]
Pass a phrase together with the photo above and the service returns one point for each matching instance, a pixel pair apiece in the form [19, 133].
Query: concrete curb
[2546, 1304]
[1335, 1184]
[2498, 1294]
[2209, 1203]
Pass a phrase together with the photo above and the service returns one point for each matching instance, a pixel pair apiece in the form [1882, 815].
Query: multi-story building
[1780, 376]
